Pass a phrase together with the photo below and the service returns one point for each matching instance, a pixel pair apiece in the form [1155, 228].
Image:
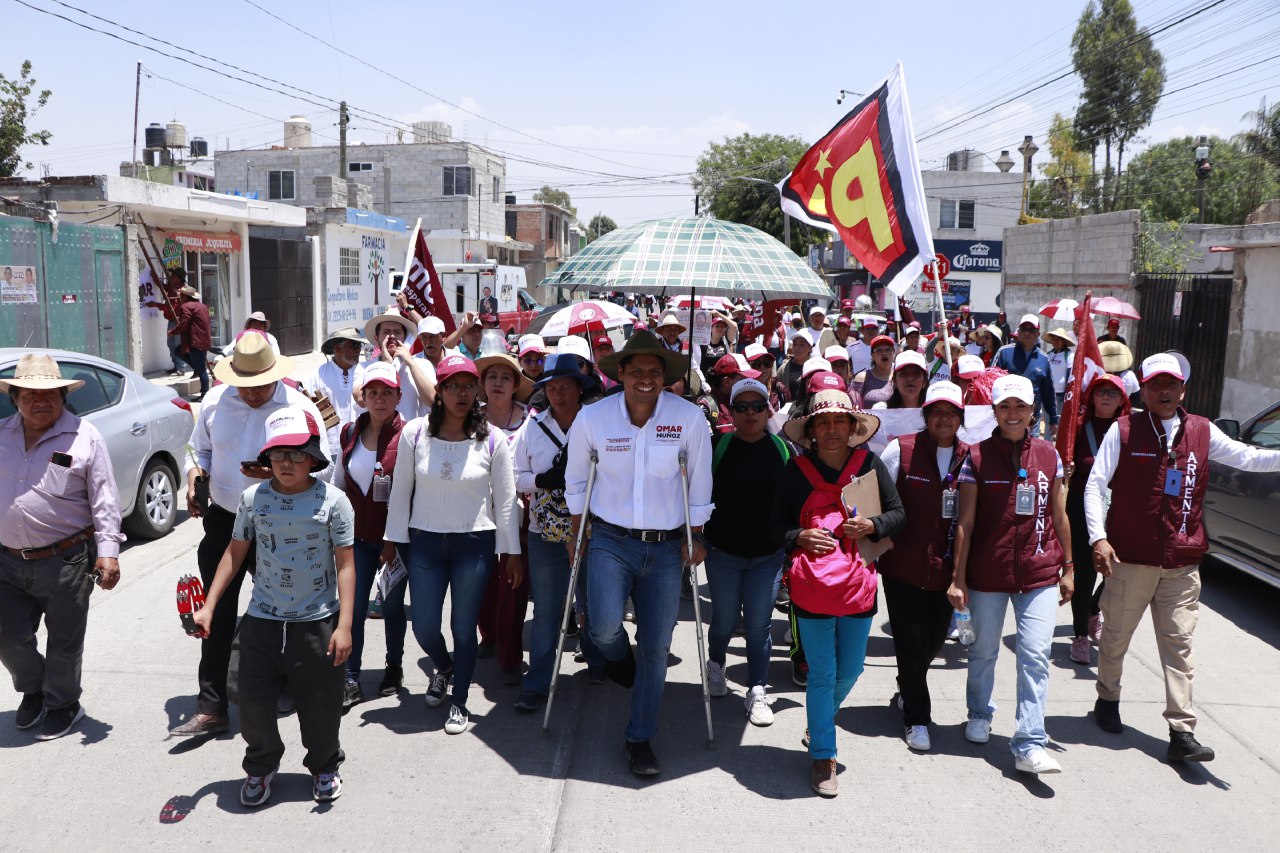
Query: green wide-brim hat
[644, 342]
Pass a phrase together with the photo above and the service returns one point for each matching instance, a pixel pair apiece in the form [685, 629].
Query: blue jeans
[368, 558]
[460, 563]
[835, 647]
[748, 585]
[1034, 614]
[650, 573]
[198, 359]
[549, 583]
[175, 341]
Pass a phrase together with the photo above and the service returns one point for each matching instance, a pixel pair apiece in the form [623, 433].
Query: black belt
[48, 551]
[642, 535]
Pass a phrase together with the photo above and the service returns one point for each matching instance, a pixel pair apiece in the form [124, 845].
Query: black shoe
[512, 677]
[1183, 746]
[799, 674]
[1106, 713]
[529, 702]
[30, 711]
[686, 585]
[392, 681]
[622, 672]
[485, 650]
[596, 676]
[352, 695]
[200, 725]
[60, 722]
[641, 758]
[573, 629]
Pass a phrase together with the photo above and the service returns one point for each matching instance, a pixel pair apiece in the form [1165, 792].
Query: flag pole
[942, 314]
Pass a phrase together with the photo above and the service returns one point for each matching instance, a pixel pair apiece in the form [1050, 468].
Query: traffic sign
[943, 265]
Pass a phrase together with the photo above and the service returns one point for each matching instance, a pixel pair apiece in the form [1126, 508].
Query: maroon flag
[1085, 367]
[763, 321]
[422, 288]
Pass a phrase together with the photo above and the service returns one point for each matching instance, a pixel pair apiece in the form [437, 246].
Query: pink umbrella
[589, 316]
[1115, 308]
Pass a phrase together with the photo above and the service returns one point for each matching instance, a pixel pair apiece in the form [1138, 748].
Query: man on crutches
[638, 517]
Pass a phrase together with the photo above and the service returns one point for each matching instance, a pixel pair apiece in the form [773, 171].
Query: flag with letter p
[422, 288]
[862, 181]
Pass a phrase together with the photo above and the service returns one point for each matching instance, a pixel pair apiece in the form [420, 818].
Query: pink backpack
[841, 582]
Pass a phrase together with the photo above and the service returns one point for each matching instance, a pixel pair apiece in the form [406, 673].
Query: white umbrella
[590, 316]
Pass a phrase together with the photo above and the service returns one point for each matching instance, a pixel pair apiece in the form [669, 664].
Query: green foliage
[1263, 139]
[15, 113]
[599, 226]
[1162, 180]
[1123, 76]
[1067, 176]
[1163, 247]
[560, 198]
[735, 180]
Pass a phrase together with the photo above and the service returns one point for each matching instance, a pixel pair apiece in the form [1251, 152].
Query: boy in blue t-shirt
[296, 633]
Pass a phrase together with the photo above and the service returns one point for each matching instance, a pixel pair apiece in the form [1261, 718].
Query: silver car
[145, 426]
[1241, 508]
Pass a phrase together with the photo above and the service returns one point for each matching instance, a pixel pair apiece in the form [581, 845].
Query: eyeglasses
[279, 455]
[533, 359]
[456, 388]
[755, 408]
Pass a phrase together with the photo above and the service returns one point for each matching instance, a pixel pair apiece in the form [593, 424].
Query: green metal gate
[78, 301]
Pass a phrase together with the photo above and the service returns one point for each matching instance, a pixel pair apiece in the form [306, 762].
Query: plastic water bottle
[964, 626]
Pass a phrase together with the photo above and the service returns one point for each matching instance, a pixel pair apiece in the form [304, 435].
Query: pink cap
[451, 365]
[381, 371]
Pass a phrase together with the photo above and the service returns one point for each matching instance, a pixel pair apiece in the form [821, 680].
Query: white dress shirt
[229, 431]
[534, 453]
[1234, 454]
[638, 475]
[410, 406]
[339, 386]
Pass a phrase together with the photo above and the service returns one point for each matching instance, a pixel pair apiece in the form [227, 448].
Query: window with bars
[348, 267]
[280, 185]
[956, 214]
[456, 180]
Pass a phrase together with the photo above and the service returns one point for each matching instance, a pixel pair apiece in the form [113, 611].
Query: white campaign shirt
[637, 482]
[229, 432]
[410, 406]
[534, 453]
[892, 458]
[1060, 369]
[339, 386]
[1234, 454]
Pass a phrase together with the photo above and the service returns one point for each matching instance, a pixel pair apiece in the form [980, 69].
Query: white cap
[575, 345]
[817, 309]
[1030, 318]
[1161, 362]
[969, 365]
[432, 325]
[835, 352]
[382, 371]
[754, 351]
[1013, 385]
[531, 343]
[814, 364]
[753, 385]
[944, 392]
[870, 322]
[909, 358]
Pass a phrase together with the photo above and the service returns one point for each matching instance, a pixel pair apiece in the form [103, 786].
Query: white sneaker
[758, 711]
[917, 738]
[715, 679]
[977, 731]
[1037, 761]
[458, 722]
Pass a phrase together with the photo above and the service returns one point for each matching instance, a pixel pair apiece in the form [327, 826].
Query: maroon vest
[921, 552]
[1145, 525]
[371, 516]
[1011, 552]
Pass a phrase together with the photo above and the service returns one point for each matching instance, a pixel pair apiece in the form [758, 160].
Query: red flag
[763, 321]
[1086, 365]
[422, 288]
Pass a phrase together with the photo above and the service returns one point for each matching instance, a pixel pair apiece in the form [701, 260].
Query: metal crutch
[697, 609]
[573, 583]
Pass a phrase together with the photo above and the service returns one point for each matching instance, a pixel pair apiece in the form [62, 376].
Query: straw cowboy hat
[371, 327]
[1116, 357]
[672, 320]
[350, 333]
[524, 385]
[865, 424]
[253, 363]
[1062, 334]
[645, 343]
[39, 372]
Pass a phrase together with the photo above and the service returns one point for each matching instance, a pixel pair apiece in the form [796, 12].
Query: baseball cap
[751, 385]
[964, 309]
[846, 303]
[1029, 319]
[528, 344]
[870, 322]
[1113, 321]
[575, 345]
[968, 366]
[835, 352]
[814, 364]
[294, 427]
[1161, 362]
[817, 309]
[602, 341]
[431, 326]
[944, 392]
[914, 325]
[910, 358]
[454, 364]
[824, 380]
[843, 321]
[754, 351]
[728, 365]
[381, 371]
[1013, 386]
[882, 340]
[719, 320]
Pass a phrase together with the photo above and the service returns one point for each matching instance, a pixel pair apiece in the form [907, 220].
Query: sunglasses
[279, 455]
[764, 362]
[533, 359]
[755, 408]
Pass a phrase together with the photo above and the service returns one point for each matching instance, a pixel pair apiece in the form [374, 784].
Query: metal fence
[1188, 313]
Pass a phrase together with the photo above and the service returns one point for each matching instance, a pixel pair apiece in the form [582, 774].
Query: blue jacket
[1035, 366]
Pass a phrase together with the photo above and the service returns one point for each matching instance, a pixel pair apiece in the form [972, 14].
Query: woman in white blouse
[453, 500]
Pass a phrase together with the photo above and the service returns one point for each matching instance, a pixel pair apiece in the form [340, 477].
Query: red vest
[921, 552]
[1145, 525]
[1011, 552]
[840, 583]
[371, 515]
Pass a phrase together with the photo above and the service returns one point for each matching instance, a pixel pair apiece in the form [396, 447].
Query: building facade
[549, 229]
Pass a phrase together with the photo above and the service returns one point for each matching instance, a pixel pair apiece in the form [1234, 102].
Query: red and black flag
[422, 286]
[862, 181]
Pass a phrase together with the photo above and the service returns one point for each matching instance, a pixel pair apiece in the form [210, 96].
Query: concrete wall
[1251, 382]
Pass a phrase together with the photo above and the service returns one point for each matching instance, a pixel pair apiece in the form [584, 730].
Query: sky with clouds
[612, 102]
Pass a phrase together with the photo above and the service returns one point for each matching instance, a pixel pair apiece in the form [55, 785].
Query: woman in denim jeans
[744, 551]
[453, 501]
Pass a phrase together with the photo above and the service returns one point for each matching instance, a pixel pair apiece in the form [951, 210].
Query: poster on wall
[148, 292]
[17, 285]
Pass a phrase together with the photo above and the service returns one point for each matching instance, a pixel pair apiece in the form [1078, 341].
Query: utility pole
[137, 94]
[342, 140]
[1204, 168]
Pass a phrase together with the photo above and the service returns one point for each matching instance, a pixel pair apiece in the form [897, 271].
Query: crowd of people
[457, 468]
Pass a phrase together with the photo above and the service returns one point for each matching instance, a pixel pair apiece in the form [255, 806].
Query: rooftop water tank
[297, 132]
[155, 135]
[432, 131]
[175, 134]
[199, 148]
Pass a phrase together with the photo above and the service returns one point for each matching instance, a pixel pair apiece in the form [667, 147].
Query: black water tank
[155, 135]
[199, 148]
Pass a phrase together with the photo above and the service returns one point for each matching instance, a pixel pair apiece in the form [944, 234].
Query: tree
[735, 180]
[1123, 76]
[560, 198]
[15, 113]
[599, 226]
[1064, 191]
[1162, 179]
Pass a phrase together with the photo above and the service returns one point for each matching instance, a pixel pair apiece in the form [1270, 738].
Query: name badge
[950, 503]
[381, 488]
[1025, 501]
[1173, 483]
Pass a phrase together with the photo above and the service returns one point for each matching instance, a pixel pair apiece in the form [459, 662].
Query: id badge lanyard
[1024, 502]
[1172, 476]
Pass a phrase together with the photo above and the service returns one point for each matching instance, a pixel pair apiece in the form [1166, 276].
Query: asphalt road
[119, 783]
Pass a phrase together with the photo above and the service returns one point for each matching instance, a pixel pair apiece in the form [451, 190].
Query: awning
[202, 241]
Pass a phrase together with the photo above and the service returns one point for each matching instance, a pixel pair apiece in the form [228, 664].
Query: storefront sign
[972, 255]
[201, 241]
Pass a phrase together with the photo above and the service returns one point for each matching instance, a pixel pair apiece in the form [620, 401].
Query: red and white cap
[733, 363]
[1029, 320]
[601, 341]
[813, 365]
[909, 358]
[969, 366]
[1013, 386]
[432, 325]
[754, 351]
[835, 353]
[452, 365]
[870, 322]
[531, 343]
[1161, 362]
[882, 341]
[843, 321]
[381, 371]
[824, 380]
[294, 427]
[944, 392]
[913, 326]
